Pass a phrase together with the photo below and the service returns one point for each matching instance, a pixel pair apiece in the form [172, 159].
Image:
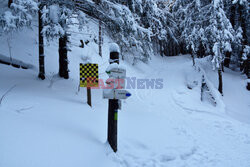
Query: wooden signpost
[114, 95]
[89, 78]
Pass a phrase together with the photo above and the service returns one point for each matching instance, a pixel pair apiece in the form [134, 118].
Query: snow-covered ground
[48, 123]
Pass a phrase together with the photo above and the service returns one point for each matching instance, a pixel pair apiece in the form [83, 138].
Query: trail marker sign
[116, 73]
[89, 75]
[116, 94]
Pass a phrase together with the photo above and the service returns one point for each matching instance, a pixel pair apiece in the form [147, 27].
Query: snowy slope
[48, 123]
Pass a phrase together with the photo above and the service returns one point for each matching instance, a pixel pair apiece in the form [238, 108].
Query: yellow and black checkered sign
[88, 75]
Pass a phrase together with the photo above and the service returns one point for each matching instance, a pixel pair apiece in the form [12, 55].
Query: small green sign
[116, 116]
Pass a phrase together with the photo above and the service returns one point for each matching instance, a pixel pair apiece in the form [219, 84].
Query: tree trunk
[9, 3]
[100, 38]
[248, 85]
[182, 49]
[232, 15]
[247, 72]
[227, 59]
[201, 51]
[174, 49]
[41, 46]
[166, 49]
[220, 81]
[170, 49]
[161, 48]
[63, 58]
[193, 56]
[193, 60]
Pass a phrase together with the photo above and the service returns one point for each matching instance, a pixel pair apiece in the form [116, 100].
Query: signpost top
[114, 48]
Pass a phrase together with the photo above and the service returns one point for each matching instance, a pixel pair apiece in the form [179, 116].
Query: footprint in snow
[186, 155]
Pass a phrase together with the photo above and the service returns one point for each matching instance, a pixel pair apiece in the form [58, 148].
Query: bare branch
[5, 94]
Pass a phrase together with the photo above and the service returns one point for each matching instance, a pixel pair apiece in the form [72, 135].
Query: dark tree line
[219, 28]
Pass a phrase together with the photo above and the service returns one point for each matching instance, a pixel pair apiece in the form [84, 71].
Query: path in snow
[185, 131]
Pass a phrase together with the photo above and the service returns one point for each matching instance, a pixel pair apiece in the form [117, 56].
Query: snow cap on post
[114, 48]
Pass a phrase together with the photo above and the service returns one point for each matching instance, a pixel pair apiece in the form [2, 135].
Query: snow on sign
[89, 75]
[116, 94]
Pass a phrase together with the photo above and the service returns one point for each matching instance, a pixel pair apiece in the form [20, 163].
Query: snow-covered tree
[56, 17]
[126, 30]
[205, 29]
[136, 25]
[190, 19]
[19, 14]
[221, 35]
[167, 30]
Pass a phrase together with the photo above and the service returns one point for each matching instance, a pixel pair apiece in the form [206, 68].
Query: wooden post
[89, 96]
[112, 123]
[113, 111]
[100, 38]
[89, 102]
[203, 85]
[220, 80]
